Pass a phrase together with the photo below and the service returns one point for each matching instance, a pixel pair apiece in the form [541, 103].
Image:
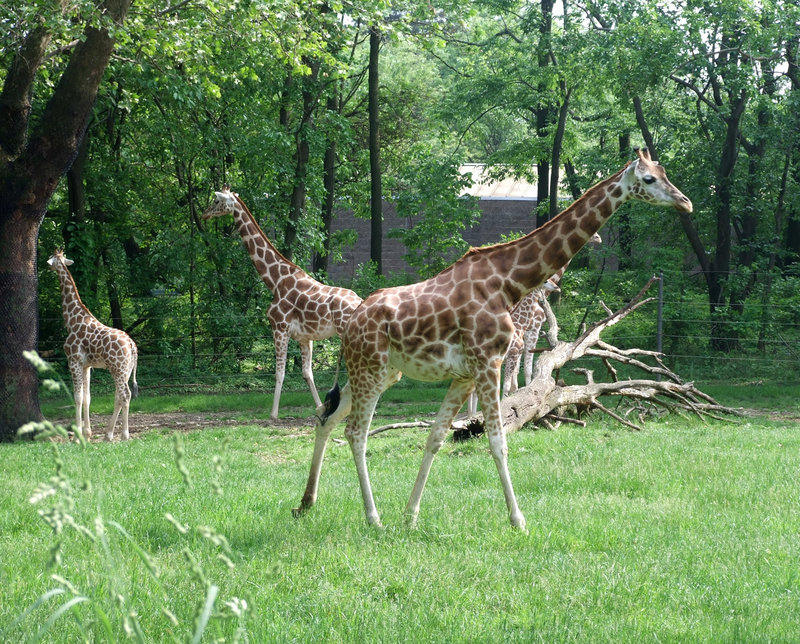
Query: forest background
[309, 109]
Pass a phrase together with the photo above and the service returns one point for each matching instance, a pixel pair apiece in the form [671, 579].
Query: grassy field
[687, 531]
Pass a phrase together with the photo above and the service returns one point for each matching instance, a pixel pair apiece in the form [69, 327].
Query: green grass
[683, 532]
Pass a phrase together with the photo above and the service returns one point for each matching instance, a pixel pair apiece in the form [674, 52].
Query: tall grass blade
[39, 601]
[54, 617]
[202, 622]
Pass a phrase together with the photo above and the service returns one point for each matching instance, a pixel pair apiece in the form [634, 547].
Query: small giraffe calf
[93, 344]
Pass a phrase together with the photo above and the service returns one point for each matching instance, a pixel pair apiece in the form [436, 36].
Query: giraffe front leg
[472, 404]
[490, 402]
[531, 338]
[459, 391]
[306, 350]
[511, 379]
[281, 338]
[323, 431]
[356, 433]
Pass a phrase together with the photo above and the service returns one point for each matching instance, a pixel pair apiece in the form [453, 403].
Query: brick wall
[498, 217]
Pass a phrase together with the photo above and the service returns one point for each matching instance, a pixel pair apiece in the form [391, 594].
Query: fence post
[660, 316]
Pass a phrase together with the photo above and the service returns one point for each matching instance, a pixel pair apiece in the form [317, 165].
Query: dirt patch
[139, 423]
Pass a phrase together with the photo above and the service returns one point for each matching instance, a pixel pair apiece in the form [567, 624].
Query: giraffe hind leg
[122, 400]
[322, 433]
[87, 401]
[77, 391]
[357, 431]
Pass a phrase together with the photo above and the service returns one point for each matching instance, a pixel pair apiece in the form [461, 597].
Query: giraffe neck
[271, 265]
[73, 310]
[527, 262]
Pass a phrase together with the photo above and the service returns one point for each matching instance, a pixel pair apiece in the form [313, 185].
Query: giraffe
[93, 344]
[527, 315]
[457, 325]
[302, 308]
[528, 318]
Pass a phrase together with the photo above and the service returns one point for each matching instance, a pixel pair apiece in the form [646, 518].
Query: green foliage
[429, 198]
[205, 94]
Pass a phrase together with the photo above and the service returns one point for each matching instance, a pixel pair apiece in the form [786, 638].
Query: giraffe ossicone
[457, 325]
[90, 343]
[302, 308]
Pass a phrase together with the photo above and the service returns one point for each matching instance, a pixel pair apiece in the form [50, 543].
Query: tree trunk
[623, 219]
[724, 337]
[297, 201]
[19, 316]
[29, 175]
[376, 191]
[321, 259]
[558, 140]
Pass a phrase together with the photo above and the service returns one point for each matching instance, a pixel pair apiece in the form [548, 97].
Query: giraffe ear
[68, 262]
[51, 261]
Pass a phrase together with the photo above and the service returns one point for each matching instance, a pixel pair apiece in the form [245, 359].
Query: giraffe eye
[649, 179]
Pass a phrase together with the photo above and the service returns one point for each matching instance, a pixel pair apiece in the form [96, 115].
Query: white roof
[485, 187]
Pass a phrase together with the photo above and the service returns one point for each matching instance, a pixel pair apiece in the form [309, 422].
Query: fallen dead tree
[549, 401]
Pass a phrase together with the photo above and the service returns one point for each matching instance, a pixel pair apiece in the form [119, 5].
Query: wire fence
[199, 352]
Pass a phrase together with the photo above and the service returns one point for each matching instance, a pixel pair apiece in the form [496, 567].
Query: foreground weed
[108, 609]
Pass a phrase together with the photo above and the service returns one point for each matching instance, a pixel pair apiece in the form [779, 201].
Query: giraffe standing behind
[523, 315]
[302, 308]
[91, 343]
[457, 325]
[529, 318]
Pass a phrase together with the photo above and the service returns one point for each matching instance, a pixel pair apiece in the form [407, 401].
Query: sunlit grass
[683, 532]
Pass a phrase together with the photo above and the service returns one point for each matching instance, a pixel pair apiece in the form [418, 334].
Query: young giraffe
[528, 318]
[302, 308]
[93, 344]
[457, 325]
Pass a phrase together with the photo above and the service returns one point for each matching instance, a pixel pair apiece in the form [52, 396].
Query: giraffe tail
[333, 397]
[331, 403]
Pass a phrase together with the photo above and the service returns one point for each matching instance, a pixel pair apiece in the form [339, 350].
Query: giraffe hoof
[298, 512]
[518, 523]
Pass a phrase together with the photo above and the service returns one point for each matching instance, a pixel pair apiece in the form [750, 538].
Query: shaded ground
[140, 422]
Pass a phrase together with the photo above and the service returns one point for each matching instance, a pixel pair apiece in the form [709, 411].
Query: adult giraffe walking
[457, 325]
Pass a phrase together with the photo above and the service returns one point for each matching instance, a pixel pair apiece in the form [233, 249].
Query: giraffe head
[224, 204]
[57, 258]
[647, 181]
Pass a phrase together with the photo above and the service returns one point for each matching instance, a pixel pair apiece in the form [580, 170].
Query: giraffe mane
[264, 236]
[480, 250]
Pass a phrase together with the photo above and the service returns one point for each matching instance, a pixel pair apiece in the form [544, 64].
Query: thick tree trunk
[19, 315]
[376, 191]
